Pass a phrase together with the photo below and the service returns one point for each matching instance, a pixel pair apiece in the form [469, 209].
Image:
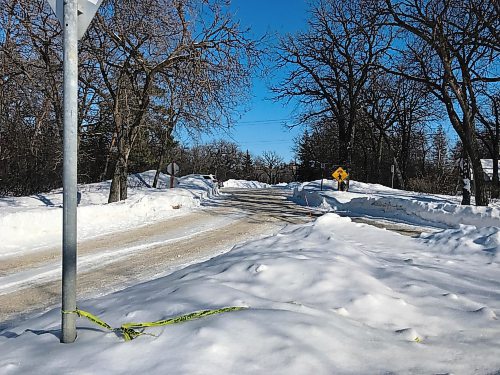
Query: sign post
[392, 176]
[172, 170]
[340, 175]
[323, 166]
[75, 17]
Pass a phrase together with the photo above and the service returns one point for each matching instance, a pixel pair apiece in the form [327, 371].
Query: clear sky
[262, 127]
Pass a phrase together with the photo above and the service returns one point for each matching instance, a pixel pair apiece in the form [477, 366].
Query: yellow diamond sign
[340, 174]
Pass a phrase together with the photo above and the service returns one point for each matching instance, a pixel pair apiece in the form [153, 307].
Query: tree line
[226, 160]
[373, 78]
[146, 69]
[370, 78]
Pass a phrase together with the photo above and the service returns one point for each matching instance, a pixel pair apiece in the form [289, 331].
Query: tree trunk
[123, 181]
[466, 188]
[495, 185]
[167, 144]
[159, 167]
[395, 161]
[108, 158]
[471, 148]
[405, 149]
[379, 158]
[343, 142]
[118, 190]
[399, 175]
[115, 190]
[365, 164]
[479, 183]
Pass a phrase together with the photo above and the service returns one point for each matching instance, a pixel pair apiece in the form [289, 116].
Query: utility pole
[75, 17]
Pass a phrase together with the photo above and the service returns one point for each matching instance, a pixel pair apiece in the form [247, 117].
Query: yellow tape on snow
[129, 330]
[94, 319]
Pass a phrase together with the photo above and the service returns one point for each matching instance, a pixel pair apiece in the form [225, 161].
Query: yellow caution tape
[93, 319]
[129, 330]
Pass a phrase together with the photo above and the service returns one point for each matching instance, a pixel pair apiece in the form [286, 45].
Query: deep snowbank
[380, 201]
[28, 223]
[328, 297]
[243, 184]
[321, 298]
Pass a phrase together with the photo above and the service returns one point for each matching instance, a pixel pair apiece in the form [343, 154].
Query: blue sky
[262, 126]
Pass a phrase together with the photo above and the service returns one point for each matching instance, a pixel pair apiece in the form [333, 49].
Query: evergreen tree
[439, 149]
[248, 167]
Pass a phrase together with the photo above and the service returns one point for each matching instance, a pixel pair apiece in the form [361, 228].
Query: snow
[243, 184]
[379, 201]
[329, 297]
[32, 223]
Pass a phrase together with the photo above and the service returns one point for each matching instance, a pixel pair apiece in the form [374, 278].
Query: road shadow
[54, 332]
[265, 203]
[44, 200]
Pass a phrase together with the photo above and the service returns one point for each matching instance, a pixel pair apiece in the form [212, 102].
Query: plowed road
[32, 281]
[105, 264]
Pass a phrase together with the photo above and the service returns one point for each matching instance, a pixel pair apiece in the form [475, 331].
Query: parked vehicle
[210, 177]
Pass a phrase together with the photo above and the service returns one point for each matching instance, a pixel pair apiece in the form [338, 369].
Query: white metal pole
[69, 251]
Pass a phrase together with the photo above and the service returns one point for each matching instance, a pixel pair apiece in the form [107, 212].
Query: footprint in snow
[450, 296]
[409, 334]
[485, 312]
[257, 268]
[482, 312]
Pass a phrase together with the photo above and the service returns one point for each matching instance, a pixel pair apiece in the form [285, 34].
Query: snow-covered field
[329, 297]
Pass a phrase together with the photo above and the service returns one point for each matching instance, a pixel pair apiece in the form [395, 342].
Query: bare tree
[380, 107]
[331, 63]
[397, 108]
[150, 51]
[269, 164]
[489, 118]
[30, 97]
[452, 52]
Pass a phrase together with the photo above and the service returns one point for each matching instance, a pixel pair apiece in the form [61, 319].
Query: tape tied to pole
[130, 331]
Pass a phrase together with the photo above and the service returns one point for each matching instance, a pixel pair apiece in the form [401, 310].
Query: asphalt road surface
[31, 282]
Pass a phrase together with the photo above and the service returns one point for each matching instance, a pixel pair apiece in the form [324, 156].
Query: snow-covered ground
[329, 297]
[379, 201]
[32, 223]
[243, 184]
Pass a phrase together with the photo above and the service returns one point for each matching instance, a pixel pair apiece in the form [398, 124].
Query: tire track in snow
[239, 217]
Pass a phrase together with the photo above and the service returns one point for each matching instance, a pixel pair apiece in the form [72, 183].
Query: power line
[257, 122]
[267, 141]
